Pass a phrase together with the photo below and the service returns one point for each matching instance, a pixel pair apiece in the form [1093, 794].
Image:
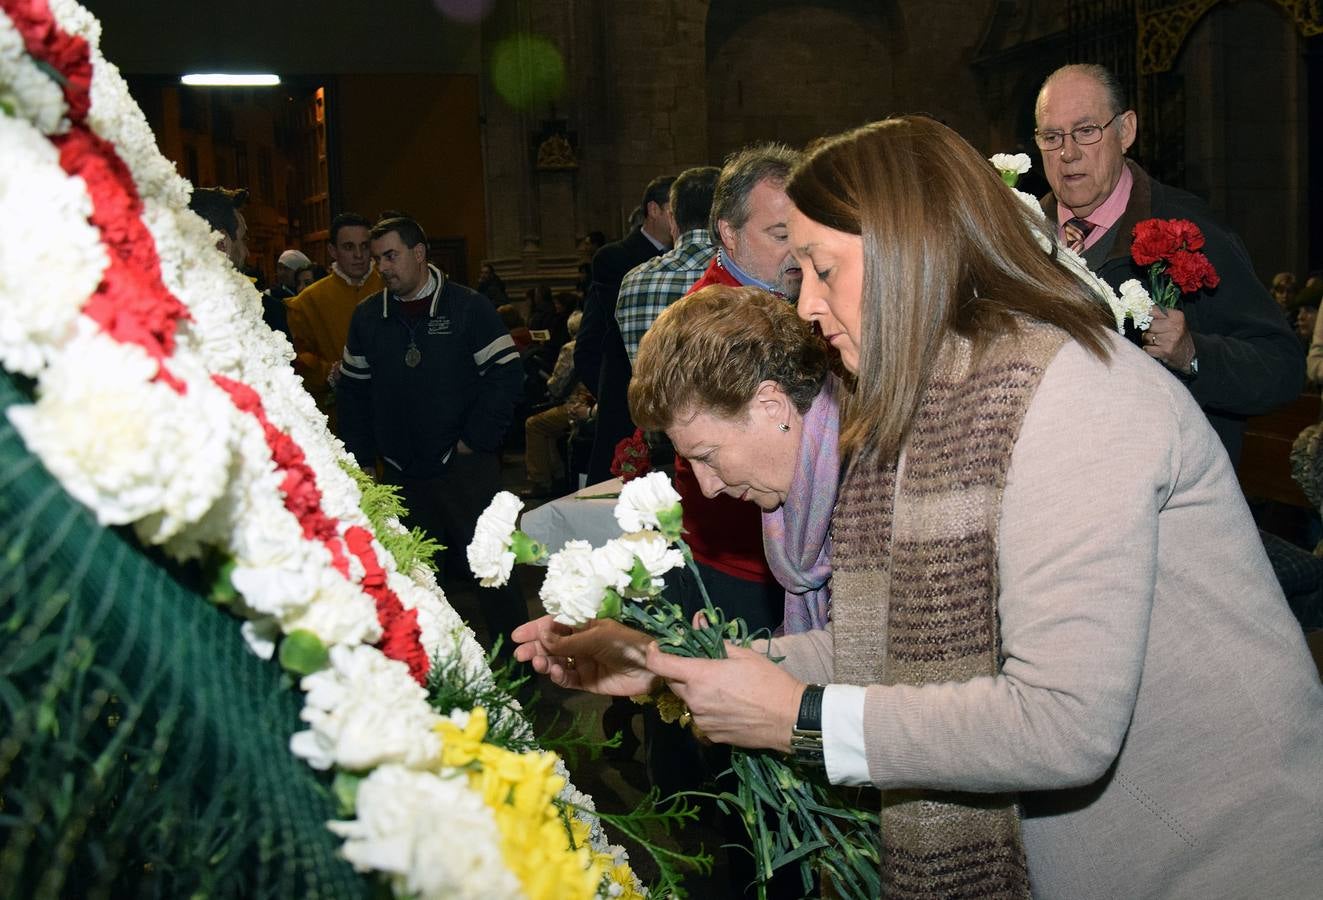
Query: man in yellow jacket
[319, 315]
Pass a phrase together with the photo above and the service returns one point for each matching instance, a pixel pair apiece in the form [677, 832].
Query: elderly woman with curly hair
[1056, 644]
[754, 411]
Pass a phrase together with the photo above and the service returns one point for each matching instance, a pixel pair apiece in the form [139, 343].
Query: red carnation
[632, 458]
[1187, 233]
[402, 639]
[1192, 271]
[1155, 240]
[1168, 248]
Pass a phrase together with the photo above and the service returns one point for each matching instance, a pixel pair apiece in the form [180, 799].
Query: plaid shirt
[656, 284]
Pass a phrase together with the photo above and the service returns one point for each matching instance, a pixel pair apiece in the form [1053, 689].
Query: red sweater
[724, 533]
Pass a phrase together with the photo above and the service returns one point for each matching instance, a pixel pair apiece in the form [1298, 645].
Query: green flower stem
[790, 819]
[1162, 287]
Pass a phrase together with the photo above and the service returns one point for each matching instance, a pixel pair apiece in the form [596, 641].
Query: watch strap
[806, 737]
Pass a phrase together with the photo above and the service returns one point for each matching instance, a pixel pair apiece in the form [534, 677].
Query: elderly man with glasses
[1230, 345]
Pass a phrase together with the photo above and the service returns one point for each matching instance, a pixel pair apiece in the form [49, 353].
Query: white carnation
[33, 94]
[653, 550]
[491, 559]
[1134, 302]
[52, 210]
[340, 613]
[123, 444]
[643, 499]
[224, 307]
[366, 710]
[575, 584]
[406, 825]
[201, 434]
[489, 552]
[500, 516]
[1015, 163]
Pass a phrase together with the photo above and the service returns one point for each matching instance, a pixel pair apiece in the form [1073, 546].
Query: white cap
[293, 259]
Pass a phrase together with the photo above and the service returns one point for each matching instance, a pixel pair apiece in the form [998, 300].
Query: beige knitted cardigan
[916, 549]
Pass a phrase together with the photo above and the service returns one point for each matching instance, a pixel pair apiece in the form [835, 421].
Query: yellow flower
[461, 747]
[548, 855]
[621, 875]
[670, 707]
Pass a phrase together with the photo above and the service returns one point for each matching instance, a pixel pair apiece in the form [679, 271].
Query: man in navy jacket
[429, 382]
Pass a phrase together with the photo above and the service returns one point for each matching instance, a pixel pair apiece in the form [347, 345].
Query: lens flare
[527, 71]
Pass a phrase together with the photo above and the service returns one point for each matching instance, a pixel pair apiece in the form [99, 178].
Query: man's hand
[1168, 339]
[333, 376]
[462, 448]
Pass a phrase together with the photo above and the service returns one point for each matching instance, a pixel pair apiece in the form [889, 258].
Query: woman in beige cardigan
[1056, 643]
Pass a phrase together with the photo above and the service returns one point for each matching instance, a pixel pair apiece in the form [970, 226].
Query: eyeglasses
[1083, 136]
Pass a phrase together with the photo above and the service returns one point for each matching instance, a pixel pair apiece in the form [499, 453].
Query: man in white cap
[288, 267]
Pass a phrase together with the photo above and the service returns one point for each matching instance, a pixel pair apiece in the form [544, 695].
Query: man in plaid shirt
[654, 285]
[745, 243]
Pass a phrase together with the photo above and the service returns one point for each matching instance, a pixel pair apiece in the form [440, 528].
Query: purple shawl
[796, 535]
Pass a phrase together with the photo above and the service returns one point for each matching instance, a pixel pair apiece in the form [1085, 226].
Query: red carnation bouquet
[632, 458]
[1170, 249]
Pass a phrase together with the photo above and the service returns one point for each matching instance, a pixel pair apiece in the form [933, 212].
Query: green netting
[143, 749]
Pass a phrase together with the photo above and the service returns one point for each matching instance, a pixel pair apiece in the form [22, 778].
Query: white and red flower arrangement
[163, 402]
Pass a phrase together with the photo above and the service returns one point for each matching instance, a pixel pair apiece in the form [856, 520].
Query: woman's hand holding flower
[603, 657]
[745, 700]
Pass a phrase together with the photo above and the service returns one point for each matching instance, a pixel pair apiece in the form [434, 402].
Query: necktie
[1077, 232]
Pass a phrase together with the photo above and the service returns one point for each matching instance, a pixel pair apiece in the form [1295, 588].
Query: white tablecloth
[569, 517]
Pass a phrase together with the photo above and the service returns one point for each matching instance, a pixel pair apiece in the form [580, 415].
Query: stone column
[656, 93]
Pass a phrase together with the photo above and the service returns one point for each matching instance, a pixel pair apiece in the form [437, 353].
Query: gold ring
[569, 662]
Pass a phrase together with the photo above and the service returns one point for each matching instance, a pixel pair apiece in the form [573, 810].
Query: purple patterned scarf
[796, 534]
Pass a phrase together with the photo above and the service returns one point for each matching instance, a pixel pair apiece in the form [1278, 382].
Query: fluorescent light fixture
[229, 79]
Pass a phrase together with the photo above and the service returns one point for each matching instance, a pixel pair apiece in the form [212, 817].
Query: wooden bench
[1265, 459]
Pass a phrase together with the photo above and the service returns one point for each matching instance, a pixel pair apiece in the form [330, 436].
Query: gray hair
[741, 173]
[1111, 85]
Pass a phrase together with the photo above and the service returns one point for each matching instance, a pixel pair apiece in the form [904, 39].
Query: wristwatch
[806, 737]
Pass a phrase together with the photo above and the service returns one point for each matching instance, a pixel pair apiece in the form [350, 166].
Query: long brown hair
[947, 249]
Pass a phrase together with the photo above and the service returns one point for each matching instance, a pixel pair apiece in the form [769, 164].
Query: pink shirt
[1105, 216]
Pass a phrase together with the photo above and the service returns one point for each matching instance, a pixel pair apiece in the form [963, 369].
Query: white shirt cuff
[843, 734]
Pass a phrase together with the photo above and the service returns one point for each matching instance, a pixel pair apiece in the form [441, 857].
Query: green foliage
[572, 740]
[450, 686]
[642, 825]
[381, 503]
